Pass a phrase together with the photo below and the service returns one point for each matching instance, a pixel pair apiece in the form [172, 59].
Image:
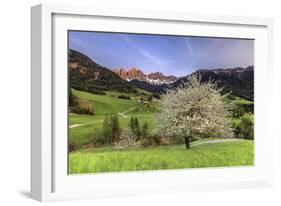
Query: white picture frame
[49, 179]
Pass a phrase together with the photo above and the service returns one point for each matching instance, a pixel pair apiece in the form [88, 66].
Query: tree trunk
[186, 139]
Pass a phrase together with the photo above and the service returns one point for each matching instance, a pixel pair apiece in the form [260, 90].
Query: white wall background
[15, 101]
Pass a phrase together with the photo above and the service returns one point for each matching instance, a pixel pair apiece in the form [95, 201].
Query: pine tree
[71, 98]
[114, 128]
[106, 129]
[137, 127]
[132, 124]
[145, 130]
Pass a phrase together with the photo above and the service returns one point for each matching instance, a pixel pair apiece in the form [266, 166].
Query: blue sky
[171, 55]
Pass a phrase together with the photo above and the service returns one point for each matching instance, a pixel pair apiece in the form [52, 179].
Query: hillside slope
[86, 75]
[157, 88]
[238, 81]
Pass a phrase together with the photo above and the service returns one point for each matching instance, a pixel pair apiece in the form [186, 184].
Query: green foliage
[238, 111]
[132, 123]
[151, 140]
[148, 139]
[242, 106]
[97, 138]
[114, 128]
[134, 126]
[145, 130]
[71, 98]
[80, 110]
[106, 129]
[75, 107]
[137, 127]
[96, 91]
[244, 126]
[107, 159]
[111, 129]
[122, 96]
[247, 126]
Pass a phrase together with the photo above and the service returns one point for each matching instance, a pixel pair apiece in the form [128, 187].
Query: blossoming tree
[195, 108]
[127, 140]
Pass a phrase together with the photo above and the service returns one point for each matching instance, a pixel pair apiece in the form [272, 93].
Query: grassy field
[107, 105]
[107, 159]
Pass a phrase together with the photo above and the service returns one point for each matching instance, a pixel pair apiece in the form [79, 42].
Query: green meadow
[86, 125]
[108, 159]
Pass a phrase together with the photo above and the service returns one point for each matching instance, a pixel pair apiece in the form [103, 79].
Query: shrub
[80, 110]
[246, 126]
[153, 140]
[71, 147]
[238, 111]
[127, 140]
[98, 138]
[122, 96]
[98, 92]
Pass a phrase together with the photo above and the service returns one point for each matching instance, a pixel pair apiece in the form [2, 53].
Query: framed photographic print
[137, 102]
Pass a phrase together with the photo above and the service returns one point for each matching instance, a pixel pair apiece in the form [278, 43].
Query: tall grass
[237, 153]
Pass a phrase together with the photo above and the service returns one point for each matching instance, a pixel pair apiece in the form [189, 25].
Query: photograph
[144, 102]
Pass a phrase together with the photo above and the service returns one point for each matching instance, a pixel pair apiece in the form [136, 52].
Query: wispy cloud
[146, 54]
[190, 52]
[189, 47]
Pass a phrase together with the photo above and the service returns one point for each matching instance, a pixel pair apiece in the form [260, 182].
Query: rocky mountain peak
[135, 73]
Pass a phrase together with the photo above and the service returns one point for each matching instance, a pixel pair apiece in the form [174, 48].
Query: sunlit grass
[107, 159]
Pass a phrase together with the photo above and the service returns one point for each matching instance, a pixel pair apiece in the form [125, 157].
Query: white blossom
[195, 108]
[126, 140]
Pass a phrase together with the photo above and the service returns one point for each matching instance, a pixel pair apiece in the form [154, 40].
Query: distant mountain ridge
[239, 81]
[156, 78]
[246, 74]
